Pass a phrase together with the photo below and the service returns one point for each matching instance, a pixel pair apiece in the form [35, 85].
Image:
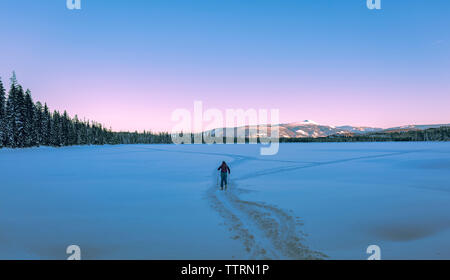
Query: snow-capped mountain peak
[305, 122]
[309, 122]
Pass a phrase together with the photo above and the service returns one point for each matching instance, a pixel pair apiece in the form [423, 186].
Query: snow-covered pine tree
[2, 114]
[65, 128]
[57, 131]
[20, 115]
[46, 126]
[28, 118]
[38, 124]
[10, 127]
[78, 130]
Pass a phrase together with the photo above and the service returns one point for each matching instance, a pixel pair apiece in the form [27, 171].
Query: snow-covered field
[315, 200]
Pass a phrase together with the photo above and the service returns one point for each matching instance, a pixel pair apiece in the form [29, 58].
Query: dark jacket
[224, 168]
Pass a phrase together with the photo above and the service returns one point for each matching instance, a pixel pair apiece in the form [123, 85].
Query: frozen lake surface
[312, 200]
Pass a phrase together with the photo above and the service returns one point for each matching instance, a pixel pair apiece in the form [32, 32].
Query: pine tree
[65, 128]
[78, 131]
[29, 125]
[2, 115]
[57, 130]
[46, 126]
[10, 127]
[20, 117]
[38, 124]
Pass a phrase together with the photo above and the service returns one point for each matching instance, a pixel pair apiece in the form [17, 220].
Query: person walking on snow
[224, 171]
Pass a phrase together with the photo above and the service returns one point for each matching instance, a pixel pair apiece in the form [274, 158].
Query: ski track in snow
[266, 231]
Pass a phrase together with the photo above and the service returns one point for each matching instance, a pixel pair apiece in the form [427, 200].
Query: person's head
[223, 163]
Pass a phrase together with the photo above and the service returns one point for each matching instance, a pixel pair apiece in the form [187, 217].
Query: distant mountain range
[311, 129]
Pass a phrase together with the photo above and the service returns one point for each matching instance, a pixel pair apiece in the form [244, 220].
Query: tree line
[431, 134]
[24, 123]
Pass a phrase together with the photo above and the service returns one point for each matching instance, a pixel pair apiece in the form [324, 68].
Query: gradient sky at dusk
[130, 64]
